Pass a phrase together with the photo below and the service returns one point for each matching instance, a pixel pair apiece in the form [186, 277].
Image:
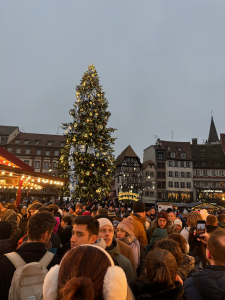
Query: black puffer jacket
[207, 284]
[144, 290]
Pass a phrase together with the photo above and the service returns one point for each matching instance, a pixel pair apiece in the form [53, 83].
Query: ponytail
[79, 288]
[163, 275]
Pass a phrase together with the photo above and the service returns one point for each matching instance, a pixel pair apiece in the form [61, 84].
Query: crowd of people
[97, 250]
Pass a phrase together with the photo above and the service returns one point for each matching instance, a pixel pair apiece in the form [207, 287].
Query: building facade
[148, 182]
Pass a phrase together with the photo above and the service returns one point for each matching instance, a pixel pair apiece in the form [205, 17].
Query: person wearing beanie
[125, 233]
[163, 221]
[106, 232]
[86, 213]
[112, 214]
[5, 240]
[178, 225]
[139, 222]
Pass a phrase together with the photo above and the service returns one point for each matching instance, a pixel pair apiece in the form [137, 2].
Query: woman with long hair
[86, 272]
[160, 280]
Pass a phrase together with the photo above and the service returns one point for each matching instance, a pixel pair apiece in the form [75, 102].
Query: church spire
[213, 137]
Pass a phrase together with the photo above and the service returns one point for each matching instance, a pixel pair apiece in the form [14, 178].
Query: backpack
[28, 279]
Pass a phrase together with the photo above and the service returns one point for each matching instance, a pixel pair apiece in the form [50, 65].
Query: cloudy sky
[161, 64]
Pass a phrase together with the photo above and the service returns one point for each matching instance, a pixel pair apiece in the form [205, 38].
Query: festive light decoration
[87, 158]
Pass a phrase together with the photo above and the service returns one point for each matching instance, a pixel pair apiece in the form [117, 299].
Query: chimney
[194, 141]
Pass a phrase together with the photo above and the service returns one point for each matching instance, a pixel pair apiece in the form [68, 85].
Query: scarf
[133, 242]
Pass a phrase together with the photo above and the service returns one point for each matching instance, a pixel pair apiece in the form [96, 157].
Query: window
[160, 154]
[168, 148]
[195, 163]
[18, 150]
[216, 154]
[183, 155]
[152, 194]
[17, 141]
[146, 194]
[188, 185]
[197, 172]
[9, 149]
[159, 195]
[187, 164]
[176, 184]
[182, 174]
[170, 174]
[170, 184]
[54, 164]
[159, 185]
[50, 143]
[163, 196]
[205, 183]
[170, 163]
[182, 164]
[159, 174]
[28, 151]
[176, 174]
[213, 173]
[176, 164]
[163, 185]
[147, 173]
[37, 164]
[56, 152]
[221, 173]
[151, 174]
[36, 142]
[163, 175]
[172, 154]
[203, 164]
[188, 174]
[47, 152]
[163, 165]
[159, 165]
[204, 172]
[46, 165]
[38, 152]
[27, 162]
[26, 142]
[217, 163]
[182, 185]
[179, 149]
[62, 144]
[202, 154]
[118, 179]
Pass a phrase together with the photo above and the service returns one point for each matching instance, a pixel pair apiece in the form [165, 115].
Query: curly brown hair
[173, 247]
[38, 224]
[180, 239]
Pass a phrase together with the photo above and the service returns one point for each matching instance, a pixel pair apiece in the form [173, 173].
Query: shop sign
[212, 191]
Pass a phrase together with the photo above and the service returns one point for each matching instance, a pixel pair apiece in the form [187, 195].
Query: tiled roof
[170, 146]
[146, 163]
[7, 130]
[128, 152]
[222, 139]
[43, 138]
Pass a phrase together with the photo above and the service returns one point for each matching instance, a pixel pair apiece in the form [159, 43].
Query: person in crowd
[139, 222]
[66, 230]
[106, 232]
[152, 214]
[16, 209]
[115, 225]
[102, 211]
[184, 215]
[93, 277]
[126, 215]
[112, 214]
[221, 220]
[10, 216]
[188, 264]
[211, 223]
[71, 211]
[40, 226]
[23, 223]
[5, 237]
[158, 234]
[162, 222]
[33, 208]
[197, 250]
[192, 219]
[160, 280]
[85, 231]
[209, 283]
[122, 211]
[78, 210]
[94, 212]
[172, 216]
[65, 211]
[178, 225]
[53, 208]
[125, 233]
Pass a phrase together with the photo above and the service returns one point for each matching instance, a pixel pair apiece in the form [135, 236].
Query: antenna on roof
[155, 136]
[211, 113]
[58, 129]
[172, 135]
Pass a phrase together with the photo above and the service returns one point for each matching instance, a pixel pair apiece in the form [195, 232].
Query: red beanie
[86, 213]
[163, 214]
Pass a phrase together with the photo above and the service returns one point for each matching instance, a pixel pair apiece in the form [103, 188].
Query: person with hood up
[157, 236]
[93, 277]
[66, 230]
[139, 222]
[162, 222]
[125, 233]
[160, 280]
[106, 232]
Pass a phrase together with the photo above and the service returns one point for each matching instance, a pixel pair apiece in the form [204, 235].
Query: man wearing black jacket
[40, 227]
[209, 283]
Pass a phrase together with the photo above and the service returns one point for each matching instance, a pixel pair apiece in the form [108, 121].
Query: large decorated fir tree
[87, 158]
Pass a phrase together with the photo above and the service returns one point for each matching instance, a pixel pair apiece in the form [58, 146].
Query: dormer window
[62, 144]
[179, 149]
[50, 143]
[26, 142]
[172, 154]
[216, 153]
[202, 154]
[17, 141]
[183, 155]
[36, 142]
[168, 148]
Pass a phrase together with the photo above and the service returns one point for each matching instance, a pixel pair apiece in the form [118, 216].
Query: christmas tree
[87, 158]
